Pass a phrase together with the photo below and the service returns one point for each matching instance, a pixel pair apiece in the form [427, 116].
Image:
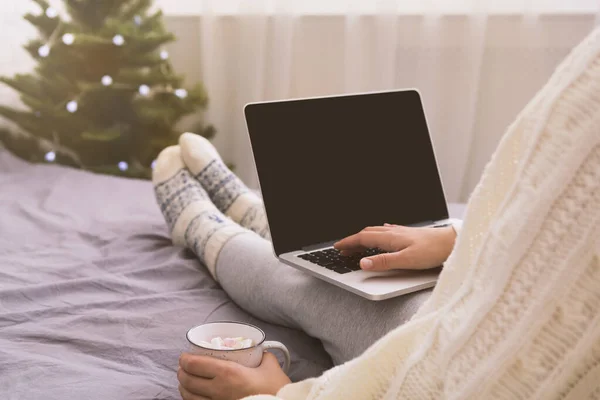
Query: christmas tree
[103, 96]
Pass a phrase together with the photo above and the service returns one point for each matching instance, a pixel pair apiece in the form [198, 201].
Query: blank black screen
[329, 167]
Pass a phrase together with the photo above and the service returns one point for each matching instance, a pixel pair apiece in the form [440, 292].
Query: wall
[469, 102]
[468, 109]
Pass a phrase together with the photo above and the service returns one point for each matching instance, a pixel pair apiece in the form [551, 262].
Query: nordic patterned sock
[193, 219]
[225, 189]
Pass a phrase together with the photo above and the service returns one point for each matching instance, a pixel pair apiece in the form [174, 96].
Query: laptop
[330, 166]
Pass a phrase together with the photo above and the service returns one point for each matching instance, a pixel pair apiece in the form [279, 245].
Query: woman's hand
[409, 248]
[202, 378]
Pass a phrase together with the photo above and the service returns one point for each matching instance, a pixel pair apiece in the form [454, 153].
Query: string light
[118, 40]
[144, 90]
[44, 51]
[72, 106]
[181, 93]
[68, 39]
[164, 55]
[50, 156]
[51, 13]
[123, 166]
[107, 80]
[137, 19]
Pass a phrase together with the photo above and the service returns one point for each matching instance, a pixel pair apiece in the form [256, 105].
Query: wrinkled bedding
[94, 299]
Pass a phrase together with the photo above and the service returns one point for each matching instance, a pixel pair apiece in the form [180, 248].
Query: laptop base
[374, 286]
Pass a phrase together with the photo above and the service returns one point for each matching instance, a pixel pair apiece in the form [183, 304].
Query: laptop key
[333, 260]
[354, 266]
[325, 263]
[342, 270]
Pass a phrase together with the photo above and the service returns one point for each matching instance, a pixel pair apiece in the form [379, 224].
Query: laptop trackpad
[393, 283]
[408, 274]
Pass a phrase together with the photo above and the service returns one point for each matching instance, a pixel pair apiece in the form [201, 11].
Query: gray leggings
[345, 323]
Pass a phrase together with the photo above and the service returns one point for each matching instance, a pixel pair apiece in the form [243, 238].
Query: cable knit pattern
[516, 311]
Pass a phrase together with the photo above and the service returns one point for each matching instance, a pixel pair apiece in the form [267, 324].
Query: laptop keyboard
[333, 260]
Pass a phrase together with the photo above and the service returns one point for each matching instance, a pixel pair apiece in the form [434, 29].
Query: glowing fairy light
[68, 39]
[144, 90]
[72, 106]
[44, 51]
[118, 40]
[181, 93]
[51, 13]
[107, 80]
[50, 156]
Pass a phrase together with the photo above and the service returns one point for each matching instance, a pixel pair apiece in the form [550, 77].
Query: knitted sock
[193, 219]
[225, 189]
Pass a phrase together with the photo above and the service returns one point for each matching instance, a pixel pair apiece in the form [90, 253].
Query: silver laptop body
[303, 151]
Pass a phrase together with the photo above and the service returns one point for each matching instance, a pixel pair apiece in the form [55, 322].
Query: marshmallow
[236, 343]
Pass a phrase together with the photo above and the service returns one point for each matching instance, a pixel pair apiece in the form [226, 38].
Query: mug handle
[279, 346]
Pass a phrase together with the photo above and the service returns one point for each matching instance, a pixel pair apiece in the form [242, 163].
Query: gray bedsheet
[94, 299]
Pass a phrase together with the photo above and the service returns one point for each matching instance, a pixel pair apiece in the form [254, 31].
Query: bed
[94, 299]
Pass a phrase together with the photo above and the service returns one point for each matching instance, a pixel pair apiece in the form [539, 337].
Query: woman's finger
[195, 385]
[365, 240]
[201, 366]
[187, 395]
[387, 261]
[384, 262]
[377, 229]
[348, 251]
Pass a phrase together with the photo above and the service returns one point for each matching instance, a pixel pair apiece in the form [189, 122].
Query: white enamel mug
[249, 357]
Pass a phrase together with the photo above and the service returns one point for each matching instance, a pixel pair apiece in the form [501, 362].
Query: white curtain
[13, 35]
[475, 62]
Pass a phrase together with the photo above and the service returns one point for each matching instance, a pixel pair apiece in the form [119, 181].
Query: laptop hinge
[423, 223]
[318, 246]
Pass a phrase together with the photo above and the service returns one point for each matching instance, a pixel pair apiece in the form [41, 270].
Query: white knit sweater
[516, 311]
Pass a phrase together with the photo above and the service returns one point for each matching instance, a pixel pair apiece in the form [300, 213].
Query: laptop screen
[329, 167]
